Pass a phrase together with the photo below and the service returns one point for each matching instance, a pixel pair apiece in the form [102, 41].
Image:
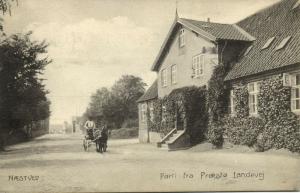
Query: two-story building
[264, 44]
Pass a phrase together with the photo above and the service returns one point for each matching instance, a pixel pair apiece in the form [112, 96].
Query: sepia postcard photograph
[149, 95]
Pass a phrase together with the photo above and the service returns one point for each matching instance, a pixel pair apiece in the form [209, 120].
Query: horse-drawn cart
[97, 137]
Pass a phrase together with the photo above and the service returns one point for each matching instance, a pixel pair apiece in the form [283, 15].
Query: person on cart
[90, 126]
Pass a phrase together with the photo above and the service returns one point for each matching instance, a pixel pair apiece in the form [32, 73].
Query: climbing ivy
[241, 100]
[217, 103]
[273, 98]
[282, 129]
[184, 108]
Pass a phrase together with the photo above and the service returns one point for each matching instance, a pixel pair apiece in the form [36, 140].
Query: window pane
[251, 109]
[283, 43]
[293, 104]
[298, 79]
[268, 43]
[297, 104]
[252, 99]
[297, 93]
[251, 87]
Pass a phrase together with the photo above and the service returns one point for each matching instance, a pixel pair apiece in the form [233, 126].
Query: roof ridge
[245, 33]
[206, 21]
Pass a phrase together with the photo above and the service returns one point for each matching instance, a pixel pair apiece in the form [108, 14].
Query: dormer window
[268, 43]
[248, 50]
[181, 38]
[297, 4]
[283, 43]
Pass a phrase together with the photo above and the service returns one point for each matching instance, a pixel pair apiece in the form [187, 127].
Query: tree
[5, 5]
[98, 101]
[127, 90]
[118, 105]
[23, 96]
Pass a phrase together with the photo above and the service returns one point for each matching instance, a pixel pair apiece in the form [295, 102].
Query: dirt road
[58, 163]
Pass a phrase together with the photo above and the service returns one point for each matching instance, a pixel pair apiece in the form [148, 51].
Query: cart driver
[90, 126]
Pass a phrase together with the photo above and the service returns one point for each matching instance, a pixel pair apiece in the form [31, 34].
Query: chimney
[208, 20]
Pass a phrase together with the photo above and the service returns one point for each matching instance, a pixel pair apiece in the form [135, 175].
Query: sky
[94, 42]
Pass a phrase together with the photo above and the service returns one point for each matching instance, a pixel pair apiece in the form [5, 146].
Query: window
[253, 89]
[248, 50]
[283, 43]
[297, 4]
[151, 112]
[198, 65]
[164, 77]
[181, 38]
[268, 43]
[232, 103]
[295, 100]
[143, 112]
[174, 74]
[163, 113]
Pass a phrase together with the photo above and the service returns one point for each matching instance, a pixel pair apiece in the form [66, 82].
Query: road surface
[55, 163]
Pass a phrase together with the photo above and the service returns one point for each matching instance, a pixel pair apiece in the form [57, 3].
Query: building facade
[264, 45]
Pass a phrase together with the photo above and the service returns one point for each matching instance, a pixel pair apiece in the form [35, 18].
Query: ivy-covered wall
[275, 126]
[184, 108]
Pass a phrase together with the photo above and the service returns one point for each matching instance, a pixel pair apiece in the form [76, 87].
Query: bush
[282, 132]
[243, 131]
[124, 133]
[129, 123]
[215, 134]
[217, 99]
[241, 101]
[273, 99]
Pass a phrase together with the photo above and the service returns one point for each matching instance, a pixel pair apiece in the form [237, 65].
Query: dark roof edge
[150, 94]
[242, 31]
[267, 72]
[140, 100]
[192, 27]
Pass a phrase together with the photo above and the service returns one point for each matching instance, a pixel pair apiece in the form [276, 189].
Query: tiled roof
[211, 31]
[280, 21]
[222, 31]
[151, 93]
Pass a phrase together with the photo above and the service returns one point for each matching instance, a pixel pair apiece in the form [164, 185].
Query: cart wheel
[104, 148]
[100, 147]
[85, 145]
[97, 147]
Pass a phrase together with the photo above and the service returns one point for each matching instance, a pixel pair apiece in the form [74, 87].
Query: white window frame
[283, 43]
[174, 74]
[143, 112]
[254, 93]
[151, 112]
[268, 43]
[248, 50]
[232, 103]
[198, 65]
[164, 82]
[163, 113]
[181, 38]
[295, 87]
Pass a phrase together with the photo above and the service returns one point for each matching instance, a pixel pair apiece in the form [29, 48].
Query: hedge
[243, 131]
[275, 127]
